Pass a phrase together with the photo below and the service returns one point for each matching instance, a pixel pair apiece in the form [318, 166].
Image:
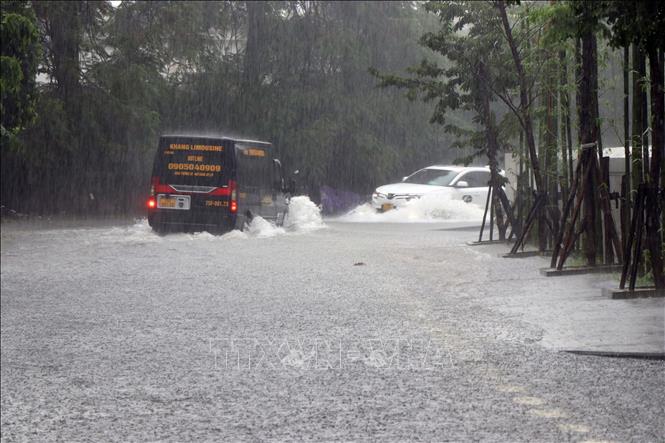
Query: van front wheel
[243, 220]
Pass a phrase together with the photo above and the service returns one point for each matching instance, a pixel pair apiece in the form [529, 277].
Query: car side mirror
[462, 184]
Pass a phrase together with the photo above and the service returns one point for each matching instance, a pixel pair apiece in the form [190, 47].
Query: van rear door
[191, 179]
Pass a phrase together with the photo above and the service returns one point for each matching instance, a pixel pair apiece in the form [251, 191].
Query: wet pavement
[352, 332]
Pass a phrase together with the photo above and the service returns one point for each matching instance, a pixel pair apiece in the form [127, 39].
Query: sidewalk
[572, 311]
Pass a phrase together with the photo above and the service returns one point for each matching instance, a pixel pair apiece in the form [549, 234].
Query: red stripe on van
[221, 191]
[164, 189]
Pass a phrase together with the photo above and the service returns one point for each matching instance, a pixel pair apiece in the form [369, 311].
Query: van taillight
[152, 203]
[233, 206]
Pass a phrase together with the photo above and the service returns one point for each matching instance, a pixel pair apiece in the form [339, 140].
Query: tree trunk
[566, 111]
[589, 134]
[251, 76]
[661, 57]
[525, 105]
[638, 97]
[62, 21]
[563, 106]
[64, 30]
[601, 237]
[491, 138]
[658, 146]
[551, 160]
[625, 220]
[522, 183]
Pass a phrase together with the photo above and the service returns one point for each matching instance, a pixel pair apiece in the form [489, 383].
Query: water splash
[303, 215]
[428, 209]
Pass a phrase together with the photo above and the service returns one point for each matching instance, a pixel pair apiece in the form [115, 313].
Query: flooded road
[348, 331]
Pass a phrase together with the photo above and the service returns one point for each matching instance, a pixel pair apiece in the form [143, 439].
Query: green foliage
[114, 78]
[467, 44]
[314, 97]
[19, 55]
[638, 22]
[300, 74]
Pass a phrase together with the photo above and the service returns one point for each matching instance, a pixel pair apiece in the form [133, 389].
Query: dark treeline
[97, 84]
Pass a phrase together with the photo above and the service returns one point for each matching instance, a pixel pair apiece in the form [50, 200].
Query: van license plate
[387, 207]
[174, 202]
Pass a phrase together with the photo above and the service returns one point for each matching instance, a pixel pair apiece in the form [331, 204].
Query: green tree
[19, 57]
[116, 77]
[641, 23]
[303, 84]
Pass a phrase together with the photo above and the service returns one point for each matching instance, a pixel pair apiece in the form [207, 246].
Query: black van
[214, 184]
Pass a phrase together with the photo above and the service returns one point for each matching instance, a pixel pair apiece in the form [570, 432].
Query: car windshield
[434, 177]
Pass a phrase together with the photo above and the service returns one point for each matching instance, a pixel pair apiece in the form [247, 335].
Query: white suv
[456, 182]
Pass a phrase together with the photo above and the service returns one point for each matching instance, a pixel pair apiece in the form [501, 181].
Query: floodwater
[318, 330]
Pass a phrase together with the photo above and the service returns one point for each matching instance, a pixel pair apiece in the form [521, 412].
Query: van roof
[214, 135]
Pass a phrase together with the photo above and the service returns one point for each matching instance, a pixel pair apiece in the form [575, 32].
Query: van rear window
[190, 161]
